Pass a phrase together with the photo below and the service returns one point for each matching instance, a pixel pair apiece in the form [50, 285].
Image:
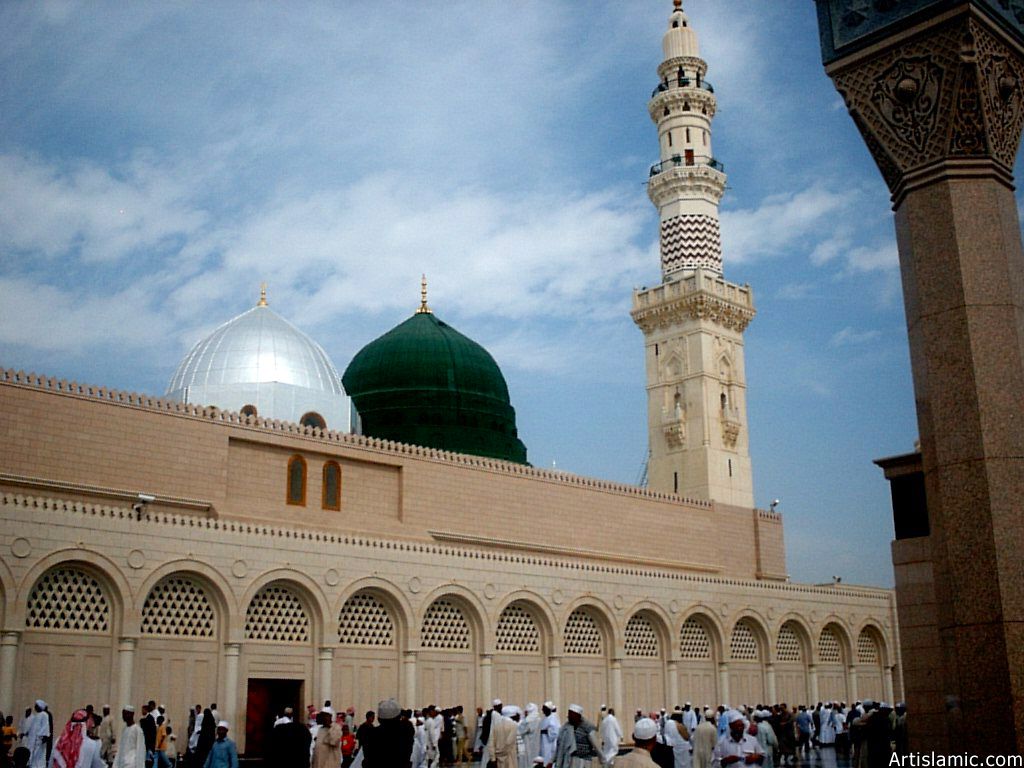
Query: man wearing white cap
[645, 736]
[131, 747]
[529, 730]
[611, 737]
[704, 739]
[577, 745]
[549, 727]
[39, 736]
[490, 718]
[689, 717]
[737, 746]
[505, 738]
[224, 753]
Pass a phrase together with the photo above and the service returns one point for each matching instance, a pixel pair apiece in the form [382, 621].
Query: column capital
[409, 655]
[723, 666]
[554, 661]
[486, 658]
[943, 99]
[127, 643]
[326, 652]
[232, 649]
[10, 637]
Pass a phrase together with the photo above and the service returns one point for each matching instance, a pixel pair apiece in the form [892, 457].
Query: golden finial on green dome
[424, 309]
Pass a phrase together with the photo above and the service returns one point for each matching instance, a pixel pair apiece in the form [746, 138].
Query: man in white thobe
[611, 737]
[505, 741]
[433, 726]
[40, 736]
[689, 717]
[490, 717]
[529, 729]
[549, 726]
[131, 747]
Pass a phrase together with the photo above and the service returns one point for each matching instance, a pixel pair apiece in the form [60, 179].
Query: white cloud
[849, 336]
[102, 214]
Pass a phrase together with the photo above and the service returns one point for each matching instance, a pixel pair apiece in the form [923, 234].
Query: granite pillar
[935, 89]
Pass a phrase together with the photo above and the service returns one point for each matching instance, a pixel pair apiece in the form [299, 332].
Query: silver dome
[261, 360]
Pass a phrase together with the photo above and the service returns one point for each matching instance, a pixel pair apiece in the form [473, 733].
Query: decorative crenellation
[364, 620]
[18, 378]
[671, 303]
[130, 520]
[689, 64]
[582, 637]
[689, 241]
[177, 606]
[641, 639]
[953, 93]
[68, 599]
[277, 615]
[517, 631]
[679, 101]
[677, 180]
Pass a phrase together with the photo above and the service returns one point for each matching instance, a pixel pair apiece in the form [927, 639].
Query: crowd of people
[505, 736]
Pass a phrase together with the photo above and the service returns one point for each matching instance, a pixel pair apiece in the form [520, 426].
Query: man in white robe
[40, 736]
[549, 726]
[131, 747]
[529, 729]
[504, 741]
[490, 717]
[75, 748]
[737, 747]
[611, 737]
[689, 717]
[433, 727]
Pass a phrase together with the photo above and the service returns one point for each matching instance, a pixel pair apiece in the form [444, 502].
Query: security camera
[145, 498]
[775, 502]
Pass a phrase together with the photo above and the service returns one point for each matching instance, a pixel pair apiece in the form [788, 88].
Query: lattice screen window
[517, 631]
[277, 615]
[867, 649]
[828, 647]
[694, 642]
[743, 644]
[582, 637]
[365, 621]
[445, 627]
[68, 599]
[788, 646]
[641, 639]
[178, 606]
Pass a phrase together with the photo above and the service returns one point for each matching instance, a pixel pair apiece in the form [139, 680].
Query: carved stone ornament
[951, 93]
[730, 432]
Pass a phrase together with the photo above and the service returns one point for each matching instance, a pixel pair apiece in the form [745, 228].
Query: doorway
[265, 700]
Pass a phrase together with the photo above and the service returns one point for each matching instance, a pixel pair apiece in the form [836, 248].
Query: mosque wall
[232, 466]
[189, 599]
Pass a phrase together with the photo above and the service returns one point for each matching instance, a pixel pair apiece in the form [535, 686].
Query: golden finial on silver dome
[263, 295]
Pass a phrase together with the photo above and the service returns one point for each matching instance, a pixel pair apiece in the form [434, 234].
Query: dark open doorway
[266, 699]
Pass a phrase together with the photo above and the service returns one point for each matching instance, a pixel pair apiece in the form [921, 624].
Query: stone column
[126, 668]
[851, 682]
[486, 665]
[769, 681]
[672, 669]
[555, 683]
[616, 680]
[887, 685]
[232, 653]
[936, 92]
[723, 683]
[812, 683]
[9, 642]
[326, 663]
[409, 666]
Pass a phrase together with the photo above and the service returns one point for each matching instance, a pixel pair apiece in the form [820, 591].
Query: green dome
[425, 383]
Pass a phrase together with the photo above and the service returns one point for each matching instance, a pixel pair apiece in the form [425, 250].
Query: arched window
[331, 495]
[313, 419]
[297, 481]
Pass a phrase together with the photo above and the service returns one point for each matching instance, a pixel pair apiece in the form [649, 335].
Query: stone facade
[443, 577]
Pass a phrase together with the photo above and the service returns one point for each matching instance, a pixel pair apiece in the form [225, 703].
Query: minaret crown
[680, 39]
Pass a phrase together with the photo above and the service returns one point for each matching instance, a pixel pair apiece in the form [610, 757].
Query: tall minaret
[693, 322]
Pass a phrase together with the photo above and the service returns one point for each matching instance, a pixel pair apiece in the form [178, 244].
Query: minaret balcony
[682, 82]
[685, 161]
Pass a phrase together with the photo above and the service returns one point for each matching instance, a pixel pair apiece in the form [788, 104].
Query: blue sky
[159, 160]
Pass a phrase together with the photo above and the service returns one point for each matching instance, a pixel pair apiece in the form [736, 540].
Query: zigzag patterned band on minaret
[689, 241]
